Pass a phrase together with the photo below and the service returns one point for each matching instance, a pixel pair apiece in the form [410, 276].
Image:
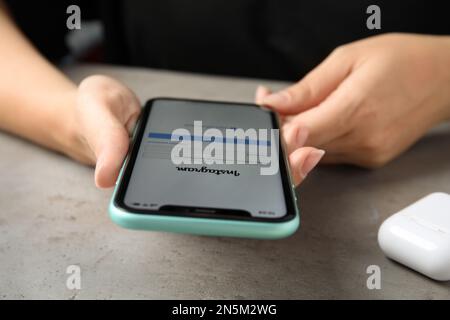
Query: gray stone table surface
[52, 216]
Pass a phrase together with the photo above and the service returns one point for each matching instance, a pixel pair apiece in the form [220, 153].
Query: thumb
[107, 111]
[110, 146]
[314, 87]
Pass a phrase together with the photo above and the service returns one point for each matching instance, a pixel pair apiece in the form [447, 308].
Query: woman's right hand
[302, 159]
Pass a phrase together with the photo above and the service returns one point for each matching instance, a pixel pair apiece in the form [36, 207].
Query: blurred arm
[36, 99]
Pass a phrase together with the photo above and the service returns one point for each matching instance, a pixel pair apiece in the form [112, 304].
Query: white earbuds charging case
[419, 236]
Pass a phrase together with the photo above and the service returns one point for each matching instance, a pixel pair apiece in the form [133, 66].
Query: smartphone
[207, 168]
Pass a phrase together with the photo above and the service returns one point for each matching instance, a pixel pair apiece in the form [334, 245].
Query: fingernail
[262, 89]
[302, 135]
[311, 161]
[261, 92]
[276, 98]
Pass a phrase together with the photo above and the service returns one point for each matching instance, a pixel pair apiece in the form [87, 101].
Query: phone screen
[186, 159]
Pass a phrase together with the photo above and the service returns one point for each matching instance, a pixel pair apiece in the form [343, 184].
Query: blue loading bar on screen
[168, 136]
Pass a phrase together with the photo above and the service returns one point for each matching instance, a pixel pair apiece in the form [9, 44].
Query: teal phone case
[201, 226]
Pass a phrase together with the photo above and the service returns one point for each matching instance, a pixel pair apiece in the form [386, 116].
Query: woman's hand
[369, 100]
[104, 115]
[301, 159]
[103, 118]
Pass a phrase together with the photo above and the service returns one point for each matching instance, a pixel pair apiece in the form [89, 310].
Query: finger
[329, 120]
[313, 88]
[320, 123]
[131, 123]
[302, 161]
[134, 105]
[128, 110]
[294, 137]
[111, 148]
[261, 92]
[107, 135]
